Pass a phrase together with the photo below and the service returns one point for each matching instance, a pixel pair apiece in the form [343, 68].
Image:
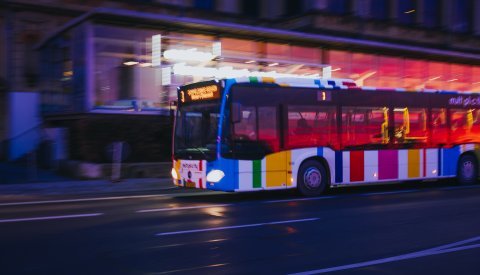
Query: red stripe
[357, 164]
[200, 166]
[200, 183]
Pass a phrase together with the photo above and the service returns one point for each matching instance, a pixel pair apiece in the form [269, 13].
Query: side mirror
[236, 112]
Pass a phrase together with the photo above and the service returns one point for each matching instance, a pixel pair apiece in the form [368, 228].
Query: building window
[407, 11]
[251, 8]
[341, 7]
[461, 15]
[431, 13]
[380, 9]
[205, 4]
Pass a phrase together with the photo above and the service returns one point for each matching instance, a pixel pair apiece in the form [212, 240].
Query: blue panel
[230, 168]
[338, 166]
[450, 159]
[320, 151]
[439, 162]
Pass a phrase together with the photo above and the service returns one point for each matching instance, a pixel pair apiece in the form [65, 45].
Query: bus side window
[245, 128]
[364, 126]
[439, 127]
[410, 126]
[268, 127]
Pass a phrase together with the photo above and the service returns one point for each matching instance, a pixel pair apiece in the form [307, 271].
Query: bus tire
[312, 178]
[467, 170]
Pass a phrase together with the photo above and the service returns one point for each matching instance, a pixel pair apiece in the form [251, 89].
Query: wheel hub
[312, 178]
[468, 169]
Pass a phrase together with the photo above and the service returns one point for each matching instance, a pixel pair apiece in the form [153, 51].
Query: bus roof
[330, 83]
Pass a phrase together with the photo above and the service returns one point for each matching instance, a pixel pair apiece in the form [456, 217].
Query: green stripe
[253, 79]
[257, 173]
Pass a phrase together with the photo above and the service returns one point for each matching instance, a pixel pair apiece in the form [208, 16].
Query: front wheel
[467, 170]
[312, 178]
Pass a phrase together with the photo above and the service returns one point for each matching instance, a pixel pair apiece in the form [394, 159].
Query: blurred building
[95, 72]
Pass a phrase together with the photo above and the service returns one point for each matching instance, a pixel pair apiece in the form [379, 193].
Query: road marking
[424, 253]
[304, 199]
[390, 192]
[51, 218]
[181, 208]
[79, 200]
[233, 227]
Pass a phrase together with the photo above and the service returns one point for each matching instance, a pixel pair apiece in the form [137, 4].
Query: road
[421, 228]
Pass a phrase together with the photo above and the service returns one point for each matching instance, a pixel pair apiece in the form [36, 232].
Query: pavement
[81, 187]
[18, 180]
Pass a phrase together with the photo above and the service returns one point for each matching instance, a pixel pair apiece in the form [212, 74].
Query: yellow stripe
[276, 165]
[284, 85]
[268, 79]
[413, 163]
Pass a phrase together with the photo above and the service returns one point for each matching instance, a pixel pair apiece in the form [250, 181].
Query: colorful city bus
[258, 133]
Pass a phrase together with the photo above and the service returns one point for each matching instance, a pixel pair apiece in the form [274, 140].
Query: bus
[259, 133]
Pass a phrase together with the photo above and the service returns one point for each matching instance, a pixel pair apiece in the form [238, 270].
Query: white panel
[245, 176]
[346, 166]
[371, 165]
[402, 164]
[432, 163]
[329, 155]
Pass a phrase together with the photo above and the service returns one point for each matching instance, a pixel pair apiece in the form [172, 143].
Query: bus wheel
[312, 178]
[467, 170]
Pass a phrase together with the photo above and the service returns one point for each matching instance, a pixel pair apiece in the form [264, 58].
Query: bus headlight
[174, 174]
[215, 176]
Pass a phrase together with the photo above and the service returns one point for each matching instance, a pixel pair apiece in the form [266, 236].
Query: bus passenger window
[363, 126]
[268, 127]
[439, 127]
[311, 126]
[463, 127]
[410, 126]
[245, 129]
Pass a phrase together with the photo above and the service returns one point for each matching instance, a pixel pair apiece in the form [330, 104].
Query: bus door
[276, 163]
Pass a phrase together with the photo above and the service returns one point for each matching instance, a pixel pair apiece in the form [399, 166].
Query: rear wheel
[312, 178]
[467, 170]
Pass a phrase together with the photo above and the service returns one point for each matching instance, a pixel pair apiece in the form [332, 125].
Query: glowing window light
[453, 79]
[217, 48]
[156, 50]
[230, 72]
[130, 63]
[188, 55]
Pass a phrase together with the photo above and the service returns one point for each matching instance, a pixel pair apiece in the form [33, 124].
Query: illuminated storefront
[116, 62]
[118, 68]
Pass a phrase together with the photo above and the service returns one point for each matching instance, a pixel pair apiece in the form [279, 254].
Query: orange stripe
[414, 163]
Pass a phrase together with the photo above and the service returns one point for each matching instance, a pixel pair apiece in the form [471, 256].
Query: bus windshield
[196, 127]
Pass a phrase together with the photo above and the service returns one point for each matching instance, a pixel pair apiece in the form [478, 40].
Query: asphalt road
[415, 229]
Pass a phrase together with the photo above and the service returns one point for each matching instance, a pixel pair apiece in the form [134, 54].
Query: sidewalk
[94, 187]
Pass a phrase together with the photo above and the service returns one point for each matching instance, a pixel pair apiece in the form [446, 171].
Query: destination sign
[202, 93]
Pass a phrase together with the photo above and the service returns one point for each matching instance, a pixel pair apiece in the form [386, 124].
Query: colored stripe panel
[387, 164]
[276, 169]
[450, 158]
[414, 163]
[257, 173]
[357, 164]
[338, 166]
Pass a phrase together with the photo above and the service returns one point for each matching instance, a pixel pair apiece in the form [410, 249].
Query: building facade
[107, 71]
